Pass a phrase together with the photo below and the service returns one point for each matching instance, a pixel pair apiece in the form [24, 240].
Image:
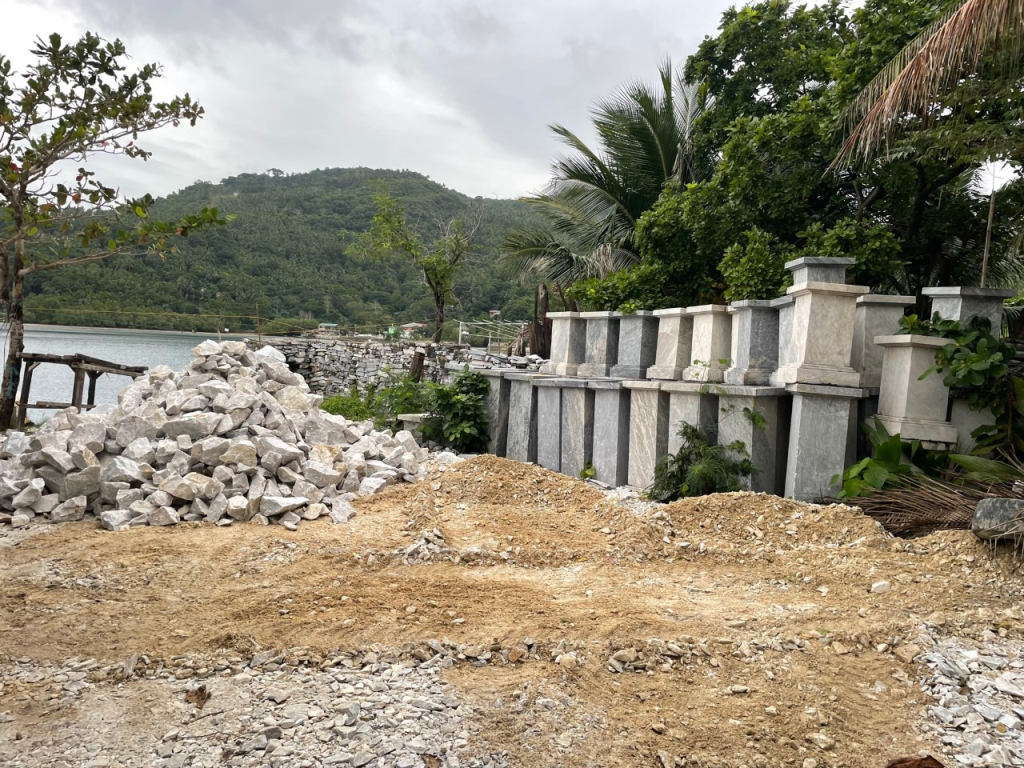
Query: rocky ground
[498, 614]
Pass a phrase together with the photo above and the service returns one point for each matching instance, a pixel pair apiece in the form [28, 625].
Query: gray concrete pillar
[876, 315]
[648, 430]
[755, 342]
[912, 402]
[675, 339]
[549, 422]
[568, 343]
[521, 441]
[756, 416]
[821, 340]
[497, 410]
[694, 403]
[712, 343]
[611, 432]
[638, 344]
[961, 303]
[822, 438]
[602, 347]
[577, 426]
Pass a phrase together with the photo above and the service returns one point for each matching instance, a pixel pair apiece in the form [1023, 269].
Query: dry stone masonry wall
[333, 367]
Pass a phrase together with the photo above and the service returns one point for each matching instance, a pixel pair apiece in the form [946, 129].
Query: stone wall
[333, 366]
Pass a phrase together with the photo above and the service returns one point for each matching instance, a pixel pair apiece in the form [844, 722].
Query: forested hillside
[285, 251]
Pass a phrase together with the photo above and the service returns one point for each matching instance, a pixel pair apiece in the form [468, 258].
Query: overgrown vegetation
[775, 85]
[700, 466]
[352, 406]
[457, 412]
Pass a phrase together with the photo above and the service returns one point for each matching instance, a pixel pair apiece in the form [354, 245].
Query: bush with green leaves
[458, 413]
[873, 246]
[403, 396]
[915, 326]
[641, 287]
[352, 406]
[891, 458]
[757, 268]
[700, 466]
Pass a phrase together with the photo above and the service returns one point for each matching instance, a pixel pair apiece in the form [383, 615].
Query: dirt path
[734, 630]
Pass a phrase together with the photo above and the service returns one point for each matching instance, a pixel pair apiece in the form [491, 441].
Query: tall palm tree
[595, 197]
[952, 48]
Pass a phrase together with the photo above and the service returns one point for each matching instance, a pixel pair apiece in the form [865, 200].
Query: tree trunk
[15, 348]
[438, 319]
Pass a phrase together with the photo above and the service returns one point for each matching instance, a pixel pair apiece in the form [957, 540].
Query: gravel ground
[205, 713]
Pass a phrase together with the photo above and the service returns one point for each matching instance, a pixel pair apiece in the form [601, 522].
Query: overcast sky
[460, 91]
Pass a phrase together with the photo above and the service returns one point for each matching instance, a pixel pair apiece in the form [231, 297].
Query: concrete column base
[577, 427]
[696, 404]
[594, 370]
[549, 422]
[648, 430]
[602, 344]
[961, 303]
[497, 410]
[766, 441]
[934, 435]
[521, 441]
[822, 438]
[611, 432]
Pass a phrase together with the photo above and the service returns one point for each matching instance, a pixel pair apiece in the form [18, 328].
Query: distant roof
[327, 325]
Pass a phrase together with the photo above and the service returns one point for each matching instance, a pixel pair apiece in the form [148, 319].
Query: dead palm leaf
[949, 50]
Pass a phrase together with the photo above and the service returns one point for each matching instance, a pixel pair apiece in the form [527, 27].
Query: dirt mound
[488, 507]
[728, 524]
[728, 630]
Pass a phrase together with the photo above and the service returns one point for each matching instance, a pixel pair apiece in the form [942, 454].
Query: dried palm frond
[921, 503]
[932, 64]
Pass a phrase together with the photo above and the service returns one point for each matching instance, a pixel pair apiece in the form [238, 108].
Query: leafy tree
[76, 100]
[785, 104]
[390, 236]
[955, 46]
[596, 196]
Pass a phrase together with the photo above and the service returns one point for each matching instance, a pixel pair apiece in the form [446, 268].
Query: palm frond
[597, 194]
[983, 470]
[949, 50]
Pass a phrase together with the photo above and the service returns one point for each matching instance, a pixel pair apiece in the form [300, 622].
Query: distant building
[411, 329]
[494, 312]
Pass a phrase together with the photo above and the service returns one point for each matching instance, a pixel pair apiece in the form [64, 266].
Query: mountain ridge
[285, 253]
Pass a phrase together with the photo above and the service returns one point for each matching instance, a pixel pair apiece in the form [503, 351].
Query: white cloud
[460, 91]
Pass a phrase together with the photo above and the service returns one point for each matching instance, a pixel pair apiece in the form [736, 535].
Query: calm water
[148, 348]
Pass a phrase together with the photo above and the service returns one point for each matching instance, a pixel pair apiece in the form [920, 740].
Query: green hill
[285, 253]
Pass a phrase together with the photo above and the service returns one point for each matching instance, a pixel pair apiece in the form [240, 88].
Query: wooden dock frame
[83, 367]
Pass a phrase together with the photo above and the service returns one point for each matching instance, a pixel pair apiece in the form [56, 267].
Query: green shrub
[404, 396]
[700, 467]
[458, 413]
[351, 406]
[756, 270]
[875, 248]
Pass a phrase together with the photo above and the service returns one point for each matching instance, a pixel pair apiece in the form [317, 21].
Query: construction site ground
[727, 630]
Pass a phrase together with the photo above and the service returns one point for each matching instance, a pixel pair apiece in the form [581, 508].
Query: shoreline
[85, 329]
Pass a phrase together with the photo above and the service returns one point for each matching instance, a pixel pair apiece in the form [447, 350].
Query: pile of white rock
[979, 712]
[236, 436]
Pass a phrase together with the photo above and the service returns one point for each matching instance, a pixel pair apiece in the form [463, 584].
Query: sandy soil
[790, 655]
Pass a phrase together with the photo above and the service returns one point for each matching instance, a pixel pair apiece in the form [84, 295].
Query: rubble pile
[235, 437]
[980, 700]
